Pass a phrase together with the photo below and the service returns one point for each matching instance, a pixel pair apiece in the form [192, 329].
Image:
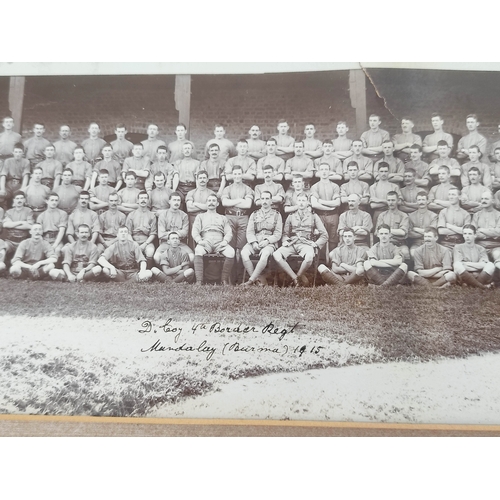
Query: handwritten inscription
[177, 339]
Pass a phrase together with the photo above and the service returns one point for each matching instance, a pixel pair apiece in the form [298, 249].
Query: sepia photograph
[276, 242]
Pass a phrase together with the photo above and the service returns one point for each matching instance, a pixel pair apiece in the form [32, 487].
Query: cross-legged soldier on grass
[384, 265]
[264, 231]
[299, 232]
[174, 263]
[470, 261]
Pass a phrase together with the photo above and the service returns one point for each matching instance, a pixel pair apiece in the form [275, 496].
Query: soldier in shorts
[470, 261]
[419, 220]
[175, 263]
[298, 239]
[123, 260]
[264, 231]
[451, 220]
[346, 262]
[384, 264]
[83, 215]
[356, 220]
[212, 233]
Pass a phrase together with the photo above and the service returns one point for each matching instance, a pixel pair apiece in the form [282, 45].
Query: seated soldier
[404, 142]
[398, 224]
[68, 193]
[451, 220]
[272, 159]
[243, 160]
[142, 225]
[347, 262]
[128, 195]
[341, 144]
[121, 146]
[325, 201]
[14, 175]
[80, 259]
[487, 224]
[212, 233]
[81, 169]
[187, 168]
[291, 196]
[374, 138]
[444, 160]
[99, 194]
[139, 164]
[34, 257]
[123, 260]
[395, 165]
[51, 168]
[334, 164]
[409, 192]
[54, 222]
[162, 166]
[421, 169]
[175, 263]
[357, 220]
[276, 190]
[471, 193]
[355, 186]
[214, 166]
[112, 166]
[384, 264]
[483, 169]
[432, 263]
[83, 215]
[365, 165]
[470, 261]
[419, 220]
[173, 220]
[17, 223]
[93, 145]
[159, 197]
[264, 232]
[299, 164]
[37, 193]
[312, 146]
[299, 232]
[379, 190]
[110, 222]
[438, 195]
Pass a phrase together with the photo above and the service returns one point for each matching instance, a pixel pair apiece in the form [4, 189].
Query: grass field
[367, 324]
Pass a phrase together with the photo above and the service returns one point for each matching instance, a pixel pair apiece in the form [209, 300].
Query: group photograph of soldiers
[377, 209]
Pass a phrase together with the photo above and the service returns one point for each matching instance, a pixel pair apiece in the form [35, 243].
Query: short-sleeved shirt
[373, 139]
[124, 255]
[81, 171]
[275, 189]
[14, 234]
[284, 141]
[68, 196]
[334, 163]
[101, 192]
[53, 219]
[247, 163]
[121, 150]
[299, 165]
[34, 148]
[433, 171]
[488, 219]
[365, 164]
[395, 219]
[473, 139]
[64, 151]
[79, 216]
[30, 251]
[469, 253]
[396, 166]
[167, 169]
[51, 168]
[256, 146]
[291, 197]
[79, 255]
[473, 192]
[426, 257]
[151, 146]
[360, 188]
[358, 218]
[227, 148]
[7, 142]
[36, 194]
[113, 167]
[434, 138]
[15, 169]
[234, 191]
[383, 252]
[137, 164]
[198, 196]
[110, 222]
[409, 193]
[141, 224]
[187, 168]
[422, 219]
[171, 220]
[326, 191]
[407, 139]
[173, 257]
[215, 169]
[93, 147]
[348, 255]
[312, 144]
[275, 161]
[454, 215]
[128, 195]
[159, 199]
[439, 192]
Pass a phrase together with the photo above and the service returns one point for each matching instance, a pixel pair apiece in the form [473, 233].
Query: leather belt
[237, 211]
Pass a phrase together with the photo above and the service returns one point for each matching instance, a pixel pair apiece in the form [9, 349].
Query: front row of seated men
[122, 249]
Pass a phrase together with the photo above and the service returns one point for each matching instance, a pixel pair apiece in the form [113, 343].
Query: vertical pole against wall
[183, 99]
[357, 91]
[16, 98]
